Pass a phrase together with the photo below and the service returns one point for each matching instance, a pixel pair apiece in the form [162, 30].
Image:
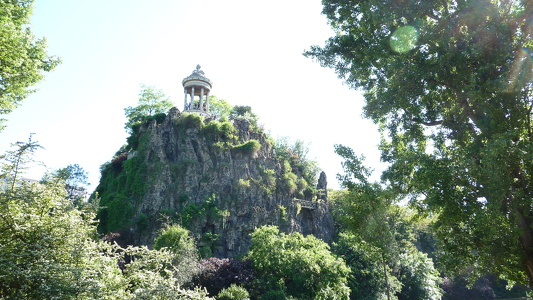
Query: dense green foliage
[219, 131]
[296, 266]
[219, 108]
[152, 103]
[450, 84]
[297, 155]
[23, 57]
[176, 239]
[49, 250]
[123, 182]
[233, 292]
[366, 281]
[380, 245]
[249, 148]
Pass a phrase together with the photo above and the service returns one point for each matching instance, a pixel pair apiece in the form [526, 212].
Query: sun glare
[521, 70]
[404, 39]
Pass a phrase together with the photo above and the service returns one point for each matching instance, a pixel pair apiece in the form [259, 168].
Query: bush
[234, 292]
[190, 120]
[117, 161]
[244, 113]
[296, 155]
[159, 118]
[176, 239]
[302, 267]
[216, 130]
[288, 181]
[250, 147]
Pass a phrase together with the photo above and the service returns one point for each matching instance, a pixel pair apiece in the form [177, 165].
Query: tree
[241, 112]
[449, 82]
[176, 239]
[151, 102]
[23, 57]
[49, 249]
[383, 231]
[75, 180]
[219, 107]
[297, 266]
[366, 281]
[14, 162]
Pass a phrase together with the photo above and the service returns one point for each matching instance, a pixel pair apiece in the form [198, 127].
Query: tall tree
[23, 58]
[14, 162]
[151, 102]
[450, 83]
[219, 107]
[384, 231]
[75, 179]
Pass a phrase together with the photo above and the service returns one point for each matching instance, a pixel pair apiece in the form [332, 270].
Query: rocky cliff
[219, 179]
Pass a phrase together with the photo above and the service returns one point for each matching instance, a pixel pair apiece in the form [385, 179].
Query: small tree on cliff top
[151, 102]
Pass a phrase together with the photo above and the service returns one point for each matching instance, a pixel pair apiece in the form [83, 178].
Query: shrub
[159, 118]
[117, 161]
[243, 183]
[288, 181]
[250, 147]
[233, 292]
[190, 120]
[216, 130]
[295, 153]
[175, 238]
[303, 267]
[244, 113]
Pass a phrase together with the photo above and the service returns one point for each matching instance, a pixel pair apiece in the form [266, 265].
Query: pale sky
[251, 50]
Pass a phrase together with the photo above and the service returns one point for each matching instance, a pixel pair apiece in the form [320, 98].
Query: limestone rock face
[220, 186]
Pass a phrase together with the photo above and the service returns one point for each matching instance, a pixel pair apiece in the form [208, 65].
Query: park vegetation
[450, 84]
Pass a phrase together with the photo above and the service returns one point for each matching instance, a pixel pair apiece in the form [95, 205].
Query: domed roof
[197, 78]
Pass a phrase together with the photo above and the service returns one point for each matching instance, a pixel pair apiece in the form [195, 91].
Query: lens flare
[404, 39]
[521, 72]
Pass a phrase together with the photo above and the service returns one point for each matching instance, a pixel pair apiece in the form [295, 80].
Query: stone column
[192, 97]
[202, 99]
[207, 102]
[185, 101]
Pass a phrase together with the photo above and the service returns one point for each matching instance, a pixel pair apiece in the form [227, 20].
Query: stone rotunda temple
[196, 88]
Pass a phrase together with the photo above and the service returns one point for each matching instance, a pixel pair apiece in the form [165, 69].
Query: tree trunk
[526, 241]
[386, 276]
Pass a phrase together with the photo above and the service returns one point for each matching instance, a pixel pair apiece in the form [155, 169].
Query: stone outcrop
[220, 180]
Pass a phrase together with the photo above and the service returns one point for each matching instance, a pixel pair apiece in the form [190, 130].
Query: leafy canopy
[450, 83]
[377, 238]
[49, 249]
[23, 57]
[219, 107]
[297, 266]
[151, 102]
